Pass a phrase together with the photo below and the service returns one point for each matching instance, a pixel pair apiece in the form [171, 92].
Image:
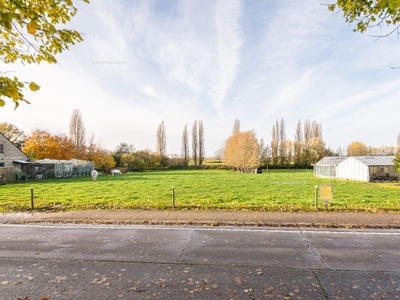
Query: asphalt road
[158, 262]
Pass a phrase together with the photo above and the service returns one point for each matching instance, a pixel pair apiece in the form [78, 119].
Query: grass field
[199, 189]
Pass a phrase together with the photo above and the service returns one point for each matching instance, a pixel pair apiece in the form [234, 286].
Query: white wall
[353, 169]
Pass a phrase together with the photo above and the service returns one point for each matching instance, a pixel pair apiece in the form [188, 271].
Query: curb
[203, 223]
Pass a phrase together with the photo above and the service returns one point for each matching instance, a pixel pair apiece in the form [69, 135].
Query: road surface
[158, 262]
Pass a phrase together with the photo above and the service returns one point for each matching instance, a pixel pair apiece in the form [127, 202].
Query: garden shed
[361, 168]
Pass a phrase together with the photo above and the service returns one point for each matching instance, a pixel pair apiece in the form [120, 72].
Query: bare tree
[220, 151]
[201, 143]
[195, 145]
[185, 146]
[92, 148]
[275, 144]
[298, 137]
[236, 126]
[316, 130]
[341, 152]
[282, 143]
[262, 146]
[161, 147]
[307, 134]
[77, 133]
[289, 152]
[317, 145]
[264, 153]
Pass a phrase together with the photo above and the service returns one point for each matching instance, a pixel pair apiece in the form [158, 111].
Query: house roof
[375, 160]
[18, 161]
[13, 145]
[331, 160]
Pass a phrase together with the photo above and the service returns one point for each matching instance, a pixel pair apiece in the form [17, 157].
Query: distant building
[361, 168]
[9, 153]
[12, 159]
[55, 168]
[15, 165]
[327, 167]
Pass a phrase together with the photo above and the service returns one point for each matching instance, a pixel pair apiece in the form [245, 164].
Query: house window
[1, 148]
[1, 164]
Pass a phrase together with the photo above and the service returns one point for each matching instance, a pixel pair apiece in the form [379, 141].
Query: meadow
[280, 190]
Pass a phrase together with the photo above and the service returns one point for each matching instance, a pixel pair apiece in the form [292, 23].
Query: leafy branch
[29, 34]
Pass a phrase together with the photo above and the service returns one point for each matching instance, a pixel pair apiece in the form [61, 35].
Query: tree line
[244, 153]
[241, 151]
[41, 144]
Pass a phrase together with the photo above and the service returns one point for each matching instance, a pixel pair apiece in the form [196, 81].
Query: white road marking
[376, 232]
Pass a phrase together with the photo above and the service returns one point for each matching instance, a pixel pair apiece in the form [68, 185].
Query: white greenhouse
[327, 167]
[361, 168]
[53, 168]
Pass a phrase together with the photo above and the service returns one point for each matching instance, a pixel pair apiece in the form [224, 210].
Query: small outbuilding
[361, 168]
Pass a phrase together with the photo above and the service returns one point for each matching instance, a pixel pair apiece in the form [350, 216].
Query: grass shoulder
[200, 189]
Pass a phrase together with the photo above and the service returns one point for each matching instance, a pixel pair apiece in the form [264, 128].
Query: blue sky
[143, 62]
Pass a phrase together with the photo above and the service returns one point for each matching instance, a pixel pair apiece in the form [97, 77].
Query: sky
[177, 61]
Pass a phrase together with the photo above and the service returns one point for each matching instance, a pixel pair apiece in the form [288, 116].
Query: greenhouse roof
[367, 160]
[52, 161]
[331, 160]
[375, 160]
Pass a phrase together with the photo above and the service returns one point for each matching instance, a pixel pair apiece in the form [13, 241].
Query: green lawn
[199, 189]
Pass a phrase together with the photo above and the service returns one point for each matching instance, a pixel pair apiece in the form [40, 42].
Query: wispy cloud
[179, 61]
[228, 19]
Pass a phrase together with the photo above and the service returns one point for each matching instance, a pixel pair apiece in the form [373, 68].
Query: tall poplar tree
[161, 147]
[77, 134]
[201, 143]
[275, 144]
[185, 146]
[236, 126]
[306, 143]
[297, 151]
[195, 143]
[317, 145]
[283, 155]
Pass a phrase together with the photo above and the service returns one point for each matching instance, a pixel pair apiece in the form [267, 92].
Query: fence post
[316, 197]
[32, 206]
[173, 197]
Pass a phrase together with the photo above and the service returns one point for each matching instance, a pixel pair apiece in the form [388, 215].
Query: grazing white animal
[95, 174]
[115, 172]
